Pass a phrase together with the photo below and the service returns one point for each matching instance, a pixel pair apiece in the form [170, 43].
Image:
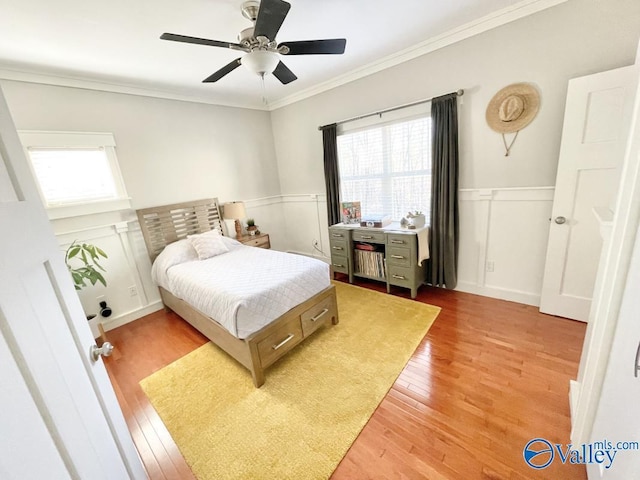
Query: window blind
[73, 175]
[387, 168]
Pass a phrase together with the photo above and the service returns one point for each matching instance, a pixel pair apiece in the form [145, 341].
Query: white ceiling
[114, 44]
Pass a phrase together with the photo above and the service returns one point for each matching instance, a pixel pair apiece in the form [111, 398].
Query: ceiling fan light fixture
[261, 62]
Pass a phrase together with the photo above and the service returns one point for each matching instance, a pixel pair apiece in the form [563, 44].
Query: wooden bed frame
[169, 223]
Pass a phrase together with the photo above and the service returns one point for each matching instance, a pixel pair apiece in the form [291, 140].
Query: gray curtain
[331, 176]
[444, 235]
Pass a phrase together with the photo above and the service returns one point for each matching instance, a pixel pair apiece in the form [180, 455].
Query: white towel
[423, 244]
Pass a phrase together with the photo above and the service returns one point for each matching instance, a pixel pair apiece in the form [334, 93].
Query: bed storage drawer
[318, 315]
[280, 342]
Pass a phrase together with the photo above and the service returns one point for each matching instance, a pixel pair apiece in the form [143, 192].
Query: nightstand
[260, 241]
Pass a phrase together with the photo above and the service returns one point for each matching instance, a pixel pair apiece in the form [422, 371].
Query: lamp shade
[234, 210]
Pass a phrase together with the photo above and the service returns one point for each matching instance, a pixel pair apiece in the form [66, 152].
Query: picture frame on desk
[351, 213]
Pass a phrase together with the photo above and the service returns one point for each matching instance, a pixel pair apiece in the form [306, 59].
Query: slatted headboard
[170, 223]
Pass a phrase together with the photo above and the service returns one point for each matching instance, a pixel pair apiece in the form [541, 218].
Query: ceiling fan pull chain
[264, 90]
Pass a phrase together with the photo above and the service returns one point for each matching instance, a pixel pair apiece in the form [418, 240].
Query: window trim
[43, 140]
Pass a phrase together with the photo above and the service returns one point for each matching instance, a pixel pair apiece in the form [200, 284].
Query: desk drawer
[338, 247]
[338, 234]
[401, 239]
[399, 256]
[368, 236]
[339, 263]
[401, 276]
[280, 342]
[317, 316]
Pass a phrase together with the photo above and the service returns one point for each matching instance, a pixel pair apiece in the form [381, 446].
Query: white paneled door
[59, 417]
[594, 136]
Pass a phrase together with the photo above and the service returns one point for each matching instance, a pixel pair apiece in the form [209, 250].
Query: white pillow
[231, 243]
[208, 244]
[173, 254]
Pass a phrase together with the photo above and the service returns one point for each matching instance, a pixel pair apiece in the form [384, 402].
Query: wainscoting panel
[306, 223]
[130, 293]
[503, 244]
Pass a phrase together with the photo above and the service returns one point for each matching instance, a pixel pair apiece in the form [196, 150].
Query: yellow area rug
[315, 401]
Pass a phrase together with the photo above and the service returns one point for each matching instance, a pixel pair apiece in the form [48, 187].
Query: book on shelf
[370, 263]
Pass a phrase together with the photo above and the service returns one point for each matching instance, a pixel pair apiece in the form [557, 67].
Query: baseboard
[501, 293]
[115, 322]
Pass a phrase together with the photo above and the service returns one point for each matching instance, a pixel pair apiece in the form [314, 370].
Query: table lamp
[235, 211]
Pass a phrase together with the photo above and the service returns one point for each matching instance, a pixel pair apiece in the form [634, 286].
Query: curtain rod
[393, 109]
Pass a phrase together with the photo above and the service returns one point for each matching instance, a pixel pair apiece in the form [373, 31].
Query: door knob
[560, 220]
[105, 350]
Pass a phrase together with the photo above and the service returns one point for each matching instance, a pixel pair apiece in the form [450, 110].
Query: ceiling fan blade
[270, 17]
[334, 46]
[283, 74]
[201, 41]
[223, 71]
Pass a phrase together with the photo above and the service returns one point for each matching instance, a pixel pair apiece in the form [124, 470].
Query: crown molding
[501, 17]
[496, 19]
[88, 84]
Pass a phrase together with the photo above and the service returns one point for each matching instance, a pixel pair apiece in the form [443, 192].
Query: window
[77, 173]
[387, 168]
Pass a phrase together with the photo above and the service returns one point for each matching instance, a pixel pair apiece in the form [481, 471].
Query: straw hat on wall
[513, 108]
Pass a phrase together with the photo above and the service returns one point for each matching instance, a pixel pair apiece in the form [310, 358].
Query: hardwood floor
[488, 377]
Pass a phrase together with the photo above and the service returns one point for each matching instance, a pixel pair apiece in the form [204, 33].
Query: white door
[59, 417]
[594, 135]
[617, 419]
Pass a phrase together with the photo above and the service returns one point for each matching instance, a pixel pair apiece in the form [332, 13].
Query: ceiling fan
[259, 42]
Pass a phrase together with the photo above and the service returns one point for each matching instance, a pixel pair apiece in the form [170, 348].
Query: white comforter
[245, 288]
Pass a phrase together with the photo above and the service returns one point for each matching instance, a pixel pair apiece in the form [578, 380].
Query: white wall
[169, 151]
[576, 38]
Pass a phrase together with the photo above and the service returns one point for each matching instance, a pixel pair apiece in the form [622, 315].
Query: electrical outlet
[490, 266]
[133, 291]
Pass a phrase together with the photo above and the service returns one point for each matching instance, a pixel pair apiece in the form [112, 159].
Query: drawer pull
[317, 317]
[397, 256]
[401, 242]
[400, 277]
[367, 237]
[339, 265]
[283, 342]
[339, 235]
[337, 248]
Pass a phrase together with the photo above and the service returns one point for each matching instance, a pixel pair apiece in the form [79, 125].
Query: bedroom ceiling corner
[116, 46]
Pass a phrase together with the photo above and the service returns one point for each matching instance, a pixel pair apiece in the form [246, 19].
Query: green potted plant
[87, 265]
[252, 228]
